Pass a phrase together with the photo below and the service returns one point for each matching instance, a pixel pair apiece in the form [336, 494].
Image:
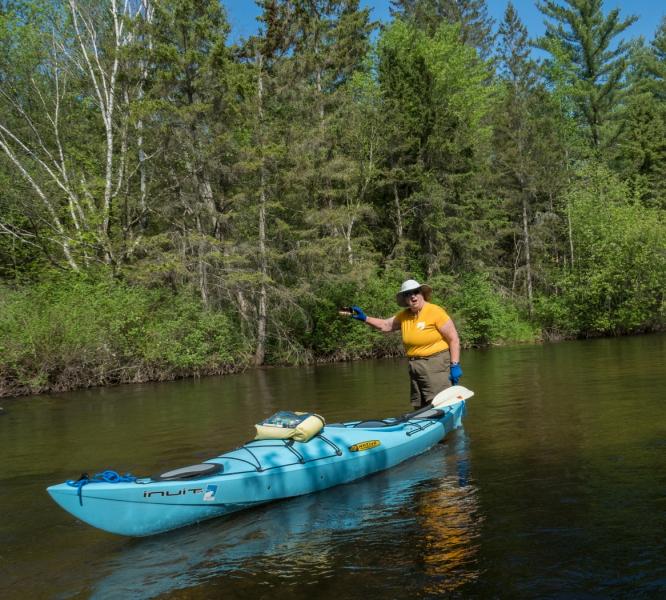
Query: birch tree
[72, 89]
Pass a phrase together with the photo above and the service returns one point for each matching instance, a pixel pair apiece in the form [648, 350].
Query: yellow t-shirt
[420, 334]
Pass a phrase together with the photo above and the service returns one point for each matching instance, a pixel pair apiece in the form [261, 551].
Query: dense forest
[175, 204]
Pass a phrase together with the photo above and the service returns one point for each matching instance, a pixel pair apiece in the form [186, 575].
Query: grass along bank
[72, 333]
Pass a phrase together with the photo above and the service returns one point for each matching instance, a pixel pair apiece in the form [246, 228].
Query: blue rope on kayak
[107, 476]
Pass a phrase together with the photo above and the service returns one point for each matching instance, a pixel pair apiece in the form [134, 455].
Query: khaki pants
[428, 376]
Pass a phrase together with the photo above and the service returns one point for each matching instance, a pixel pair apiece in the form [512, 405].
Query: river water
[555, 486]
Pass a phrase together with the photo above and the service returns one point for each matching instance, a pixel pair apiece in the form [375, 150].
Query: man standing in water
[430, 339]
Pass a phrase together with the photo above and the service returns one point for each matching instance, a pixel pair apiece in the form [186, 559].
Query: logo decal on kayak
[165, 493]
[364, 446]
[209, 494]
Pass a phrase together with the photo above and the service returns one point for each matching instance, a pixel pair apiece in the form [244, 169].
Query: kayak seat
[432, 413]
[190, 472]
[373, 423]
[425, 412]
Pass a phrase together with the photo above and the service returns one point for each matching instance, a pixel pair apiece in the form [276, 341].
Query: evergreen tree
[640, 156]
[190, 91]
[436, 102]
[656, 62]
[476, 26]
[580, 36]
[302, 184]
[528, 157]
[327, 42]
[263, 226]
[514, 134]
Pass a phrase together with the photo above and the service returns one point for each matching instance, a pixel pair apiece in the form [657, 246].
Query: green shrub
[338, 338]
[74, 331]
[483, 317]
[182, 336]
[617, 281]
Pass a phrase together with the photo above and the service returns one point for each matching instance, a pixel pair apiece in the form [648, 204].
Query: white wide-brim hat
[409, 286]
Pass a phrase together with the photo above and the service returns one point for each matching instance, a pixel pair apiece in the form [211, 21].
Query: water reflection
[451, 523]
[309, 539]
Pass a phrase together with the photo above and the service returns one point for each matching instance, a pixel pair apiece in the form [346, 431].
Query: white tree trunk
[80, 219]
[262, 308]
[528, 263]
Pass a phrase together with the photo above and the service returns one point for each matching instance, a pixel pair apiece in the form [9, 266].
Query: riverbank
[71, 333]
[75, 332]
[60, 336]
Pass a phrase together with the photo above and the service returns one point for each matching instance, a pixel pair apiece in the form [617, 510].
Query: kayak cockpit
[427, 412]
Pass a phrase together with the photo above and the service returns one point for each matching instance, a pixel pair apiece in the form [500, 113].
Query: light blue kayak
[260, 471]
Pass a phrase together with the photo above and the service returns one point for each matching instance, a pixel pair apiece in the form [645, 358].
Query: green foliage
[471, 16]
[72, 332]
[617, 282]
[590, 63]
[483, 317]
[640, 156]
[437, 100]
[340, 338]
[481, 314]
[232, 197]
[531, 142]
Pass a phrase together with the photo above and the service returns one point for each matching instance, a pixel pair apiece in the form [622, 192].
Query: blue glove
[455, 373]
[358, 313]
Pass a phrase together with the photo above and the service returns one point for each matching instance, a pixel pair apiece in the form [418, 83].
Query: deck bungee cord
[107, 476]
